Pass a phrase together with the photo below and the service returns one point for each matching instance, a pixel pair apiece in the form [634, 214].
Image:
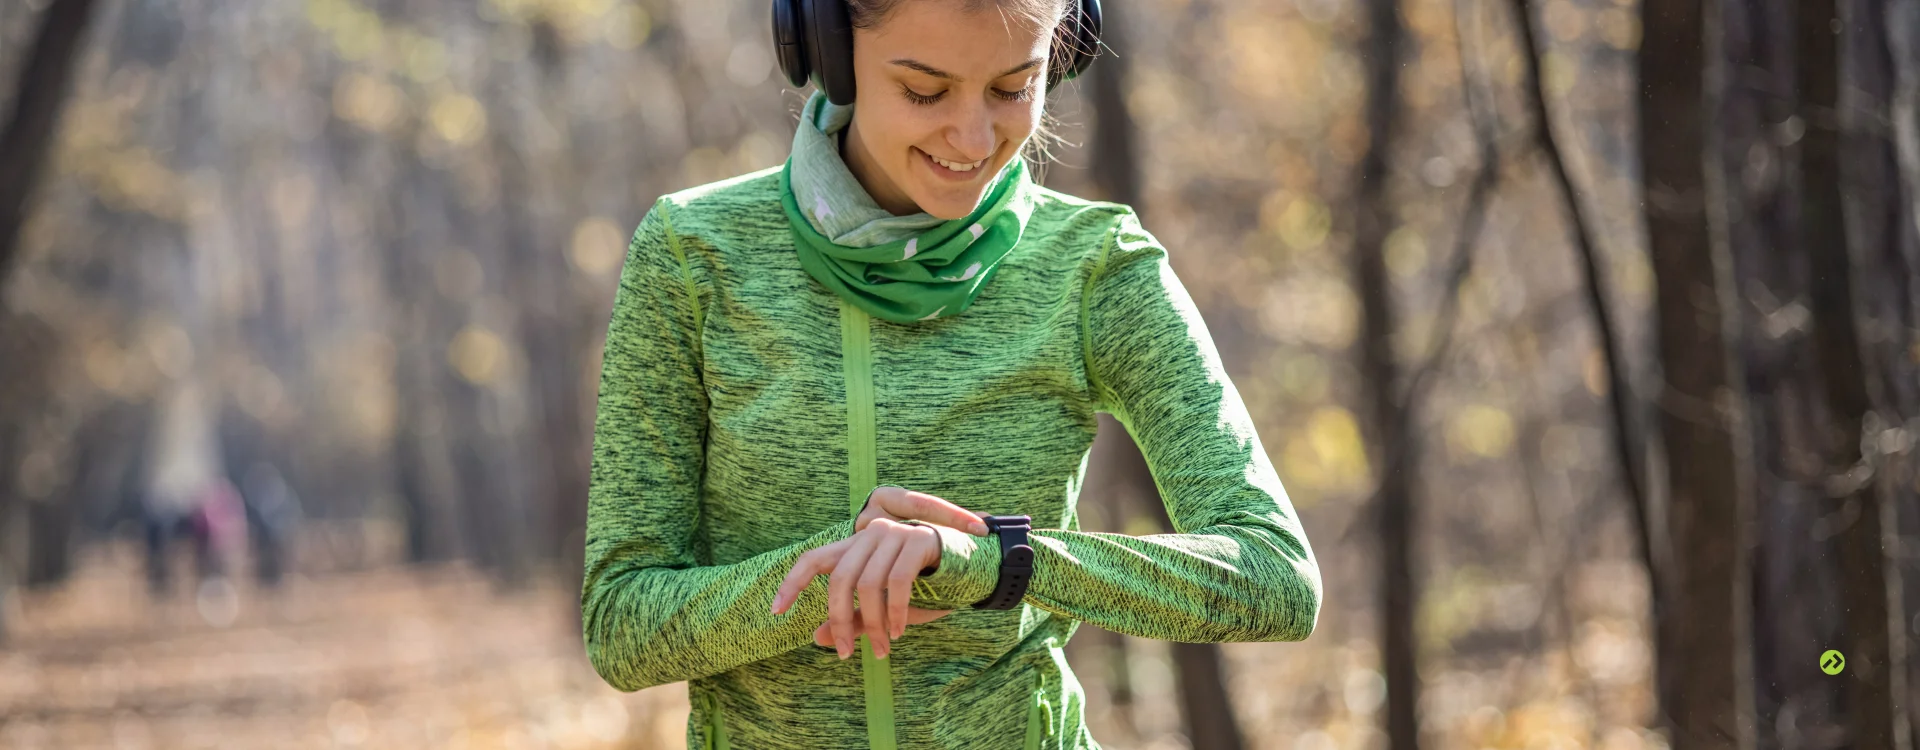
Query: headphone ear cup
[829, 42]
[1077, 42]
[790, 42]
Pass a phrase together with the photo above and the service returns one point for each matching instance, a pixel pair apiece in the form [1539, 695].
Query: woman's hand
[883, 557]
[881, 560]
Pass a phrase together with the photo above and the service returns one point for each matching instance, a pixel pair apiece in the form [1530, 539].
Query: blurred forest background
[1585, 334]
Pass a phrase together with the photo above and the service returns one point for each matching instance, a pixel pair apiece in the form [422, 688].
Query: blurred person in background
[167, 514]
[901, 301]
[273, 512]
[187, 493]
[220, 528]
[210, 514]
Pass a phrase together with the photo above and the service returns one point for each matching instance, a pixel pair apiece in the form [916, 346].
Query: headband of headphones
[814, 39]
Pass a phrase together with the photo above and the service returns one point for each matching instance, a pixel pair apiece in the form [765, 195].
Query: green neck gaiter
[935, 274]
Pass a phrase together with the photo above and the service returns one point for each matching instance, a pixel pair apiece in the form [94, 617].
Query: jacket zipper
[856, 348]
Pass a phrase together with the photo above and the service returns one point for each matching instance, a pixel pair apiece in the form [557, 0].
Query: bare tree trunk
[1702, 416]
[1875, 298]
[551, 330]
[1116, 161]
[1204, 697]
[1872, 708]
[423, 469]
[1793, 602]
[39, 96]
[38, 100]
[1902, 25]
[23, 346]
[1386, 417]
[1672, 67]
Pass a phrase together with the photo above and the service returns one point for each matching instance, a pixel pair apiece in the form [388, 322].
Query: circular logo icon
[1832, 662]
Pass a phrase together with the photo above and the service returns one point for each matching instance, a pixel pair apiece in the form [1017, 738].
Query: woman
[901, 302]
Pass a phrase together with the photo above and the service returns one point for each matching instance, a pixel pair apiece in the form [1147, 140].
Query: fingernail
[979, 529]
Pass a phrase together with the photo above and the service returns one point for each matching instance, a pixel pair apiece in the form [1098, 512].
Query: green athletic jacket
[746, 411]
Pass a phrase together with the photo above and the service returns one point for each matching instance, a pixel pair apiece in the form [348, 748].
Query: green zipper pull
[1039, 715]
[1046, 708]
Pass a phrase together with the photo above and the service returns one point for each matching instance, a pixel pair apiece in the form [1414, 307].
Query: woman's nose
[972, 135]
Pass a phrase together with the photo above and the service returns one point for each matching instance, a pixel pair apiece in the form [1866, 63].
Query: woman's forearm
[1244, 578]
[652, 625]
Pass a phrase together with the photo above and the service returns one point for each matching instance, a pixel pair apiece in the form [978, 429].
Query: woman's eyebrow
[938, 73]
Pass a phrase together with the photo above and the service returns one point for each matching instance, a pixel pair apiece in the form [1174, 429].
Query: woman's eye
[919, 98]
[1025, 93]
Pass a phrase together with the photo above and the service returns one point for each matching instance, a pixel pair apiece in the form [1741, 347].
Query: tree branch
[1625, 437]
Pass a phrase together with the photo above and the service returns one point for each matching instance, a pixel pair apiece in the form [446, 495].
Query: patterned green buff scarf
[932, 273]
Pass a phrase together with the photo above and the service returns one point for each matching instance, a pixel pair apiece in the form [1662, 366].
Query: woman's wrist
[967, 571]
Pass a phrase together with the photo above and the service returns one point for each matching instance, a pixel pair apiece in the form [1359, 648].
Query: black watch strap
[1016, 562]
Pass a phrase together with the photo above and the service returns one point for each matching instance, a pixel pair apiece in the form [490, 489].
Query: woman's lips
[950, 175]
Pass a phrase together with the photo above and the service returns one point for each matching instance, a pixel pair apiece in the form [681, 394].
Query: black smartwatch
[1016, 561]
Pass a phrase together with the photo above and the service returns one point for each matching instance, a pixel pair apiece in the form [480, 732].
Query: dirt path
[391, 658]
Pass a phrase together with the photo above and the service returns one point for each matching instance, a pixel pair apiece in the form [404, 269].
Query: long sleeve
[1238, 566]
[651, 613]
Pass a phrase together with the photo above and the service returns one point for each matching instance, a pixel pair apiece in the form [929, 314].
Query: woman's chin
[948, 204]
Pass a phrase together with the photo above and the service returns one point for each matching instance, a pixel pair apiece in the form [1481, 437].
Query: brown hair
[868, 14]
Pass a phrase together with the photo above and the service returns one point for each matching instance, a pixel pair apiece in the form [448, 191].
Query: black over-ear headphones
[814, 39]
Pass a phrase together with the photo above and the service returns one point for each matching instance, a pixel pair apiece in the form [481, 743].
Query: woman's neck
[888, 195]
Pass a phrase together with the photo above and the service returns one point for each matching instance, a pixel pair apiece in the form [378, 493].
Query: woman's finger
[934, 509]
[811, 563]
[873, 586]
[840, 583]
[913, 556]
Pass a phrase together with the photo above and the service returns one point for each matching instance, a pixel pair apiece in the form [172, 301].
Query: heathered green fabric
[720, 455]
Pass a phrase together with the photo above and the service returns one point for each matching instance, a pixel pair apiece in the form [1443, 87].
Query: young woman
[900, 302]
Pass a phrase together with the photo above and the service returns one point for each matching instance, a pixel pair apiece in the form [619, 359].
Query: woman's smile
[951, 171]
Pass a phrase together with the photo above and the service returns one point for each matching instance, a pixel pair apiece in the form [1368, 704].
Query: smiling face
[946, 96]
